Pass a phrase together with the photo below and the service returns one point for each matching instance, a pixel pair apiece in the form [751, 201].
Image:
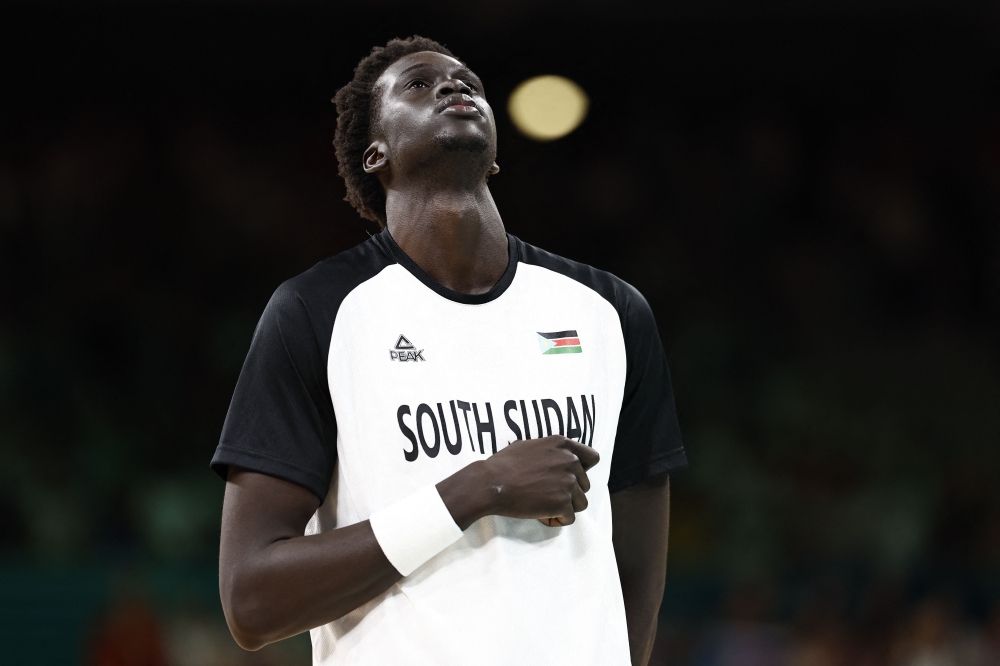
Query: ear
[495, 169]
[376, 158]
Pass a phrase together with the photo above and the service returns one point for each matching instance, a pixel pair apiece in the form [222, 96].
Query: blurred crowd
[930, 632]
[131, 633]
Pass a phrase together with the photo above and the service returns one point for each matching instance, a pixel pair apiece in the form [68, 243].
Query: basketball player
[446, 446]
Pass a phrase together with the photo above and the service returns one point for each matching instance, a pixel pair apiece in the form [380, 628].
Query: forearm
[276, 589]
[295, 584]
[276, 583]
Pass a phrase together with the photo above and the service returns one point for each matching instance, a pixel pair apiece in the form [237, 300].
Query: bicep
[641, 522]
[259, 510]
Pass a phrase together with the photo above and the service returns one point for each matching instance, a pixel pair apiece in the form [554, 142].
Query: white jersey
[367, 380]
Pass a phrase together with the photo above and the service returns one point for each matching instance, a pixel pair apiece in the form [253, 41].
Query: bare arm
[641, 518]
[276, 583]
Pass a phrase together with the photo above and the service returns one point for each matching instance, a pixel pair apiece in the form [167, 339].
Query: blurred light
[547, 107]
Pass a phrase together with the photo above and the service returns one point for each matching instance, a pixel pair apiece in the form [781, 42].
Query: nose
[452, 86]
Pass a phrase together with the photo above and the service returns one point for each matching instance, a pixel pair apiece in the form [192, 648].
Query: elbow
[245, 637]
[246, 615]
[246, 641]
[244, 626]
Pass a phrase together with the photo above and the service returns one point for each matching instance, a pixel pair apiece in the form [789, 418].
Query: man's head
[410, 105]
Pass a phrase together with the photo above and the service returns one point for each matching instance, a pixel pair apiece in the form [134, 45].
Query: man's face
[431, 102]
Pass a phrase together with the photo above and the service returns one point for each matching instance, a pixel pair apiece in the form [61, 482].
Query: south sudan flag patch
[560, 342]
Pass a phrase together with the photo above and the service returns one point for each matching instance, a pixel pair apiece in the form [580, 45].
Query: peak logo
[405, 351]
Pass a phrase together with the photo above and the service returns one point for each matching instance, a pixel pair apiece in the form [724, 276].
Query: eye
[417, 83]
[472, 84]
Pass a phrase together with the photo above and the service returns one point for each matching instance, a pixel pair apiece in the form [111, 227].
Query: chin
[468, 144]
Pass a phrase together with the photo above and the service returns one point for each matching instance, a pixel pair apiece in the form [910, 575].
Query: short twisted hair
[357, 117]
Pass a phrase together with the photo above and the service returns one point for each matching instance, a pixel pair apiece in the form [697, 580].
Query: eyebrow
[461, 70]
[412, 67]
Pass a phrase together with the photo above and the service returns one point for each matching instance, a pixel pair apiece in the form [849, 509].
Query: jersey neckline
[467, 299]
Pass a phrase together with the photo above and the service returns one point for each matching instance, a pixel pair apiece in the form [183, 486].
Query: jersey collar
[387, 241]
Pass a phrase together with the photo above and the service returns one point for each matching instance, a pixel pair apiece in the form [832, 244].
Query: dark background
[807, 194]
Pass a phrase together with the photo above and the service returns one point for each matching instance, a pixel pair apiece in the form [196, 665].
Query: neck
[455, 236]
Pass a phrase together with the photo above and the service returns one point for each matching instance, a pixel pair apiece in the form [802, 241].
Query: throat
[459, 241]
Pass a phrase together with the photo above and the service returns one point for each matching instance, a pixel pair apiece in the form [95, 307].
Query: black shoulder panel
[648, 441]
[281, 420]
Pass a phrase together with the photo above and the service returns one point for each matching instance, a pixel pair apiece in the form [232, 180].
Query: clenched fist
[542, 478]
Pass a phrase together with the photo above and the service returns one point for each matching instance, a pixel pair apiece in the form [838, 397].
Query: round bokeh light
[547, 107]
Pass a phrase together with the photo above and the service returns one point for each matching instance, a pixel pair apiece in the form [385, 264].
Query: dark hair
[357, 114]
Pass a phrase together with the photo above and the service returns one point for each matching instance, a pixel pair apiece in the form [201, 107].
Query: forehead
[428, 58]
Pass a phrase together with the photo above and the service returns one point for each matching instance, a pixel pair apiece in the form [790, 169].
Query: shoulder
[625, 298]
[316, 294]
[339, 274]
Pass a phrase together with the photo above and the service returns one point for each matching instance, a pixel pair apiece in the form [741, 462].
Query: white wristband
[415, 529]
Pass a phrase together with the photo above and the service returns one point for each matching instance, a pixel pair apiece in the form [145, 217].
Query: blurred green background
[808, 196]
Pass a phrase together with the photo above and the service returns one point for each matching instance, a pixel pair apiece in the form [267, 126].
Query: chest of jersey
[422, 385]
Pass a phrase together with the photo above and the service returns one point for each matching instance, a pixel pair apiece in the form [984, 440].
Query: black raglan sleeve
[648, 441]
[281, 420]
